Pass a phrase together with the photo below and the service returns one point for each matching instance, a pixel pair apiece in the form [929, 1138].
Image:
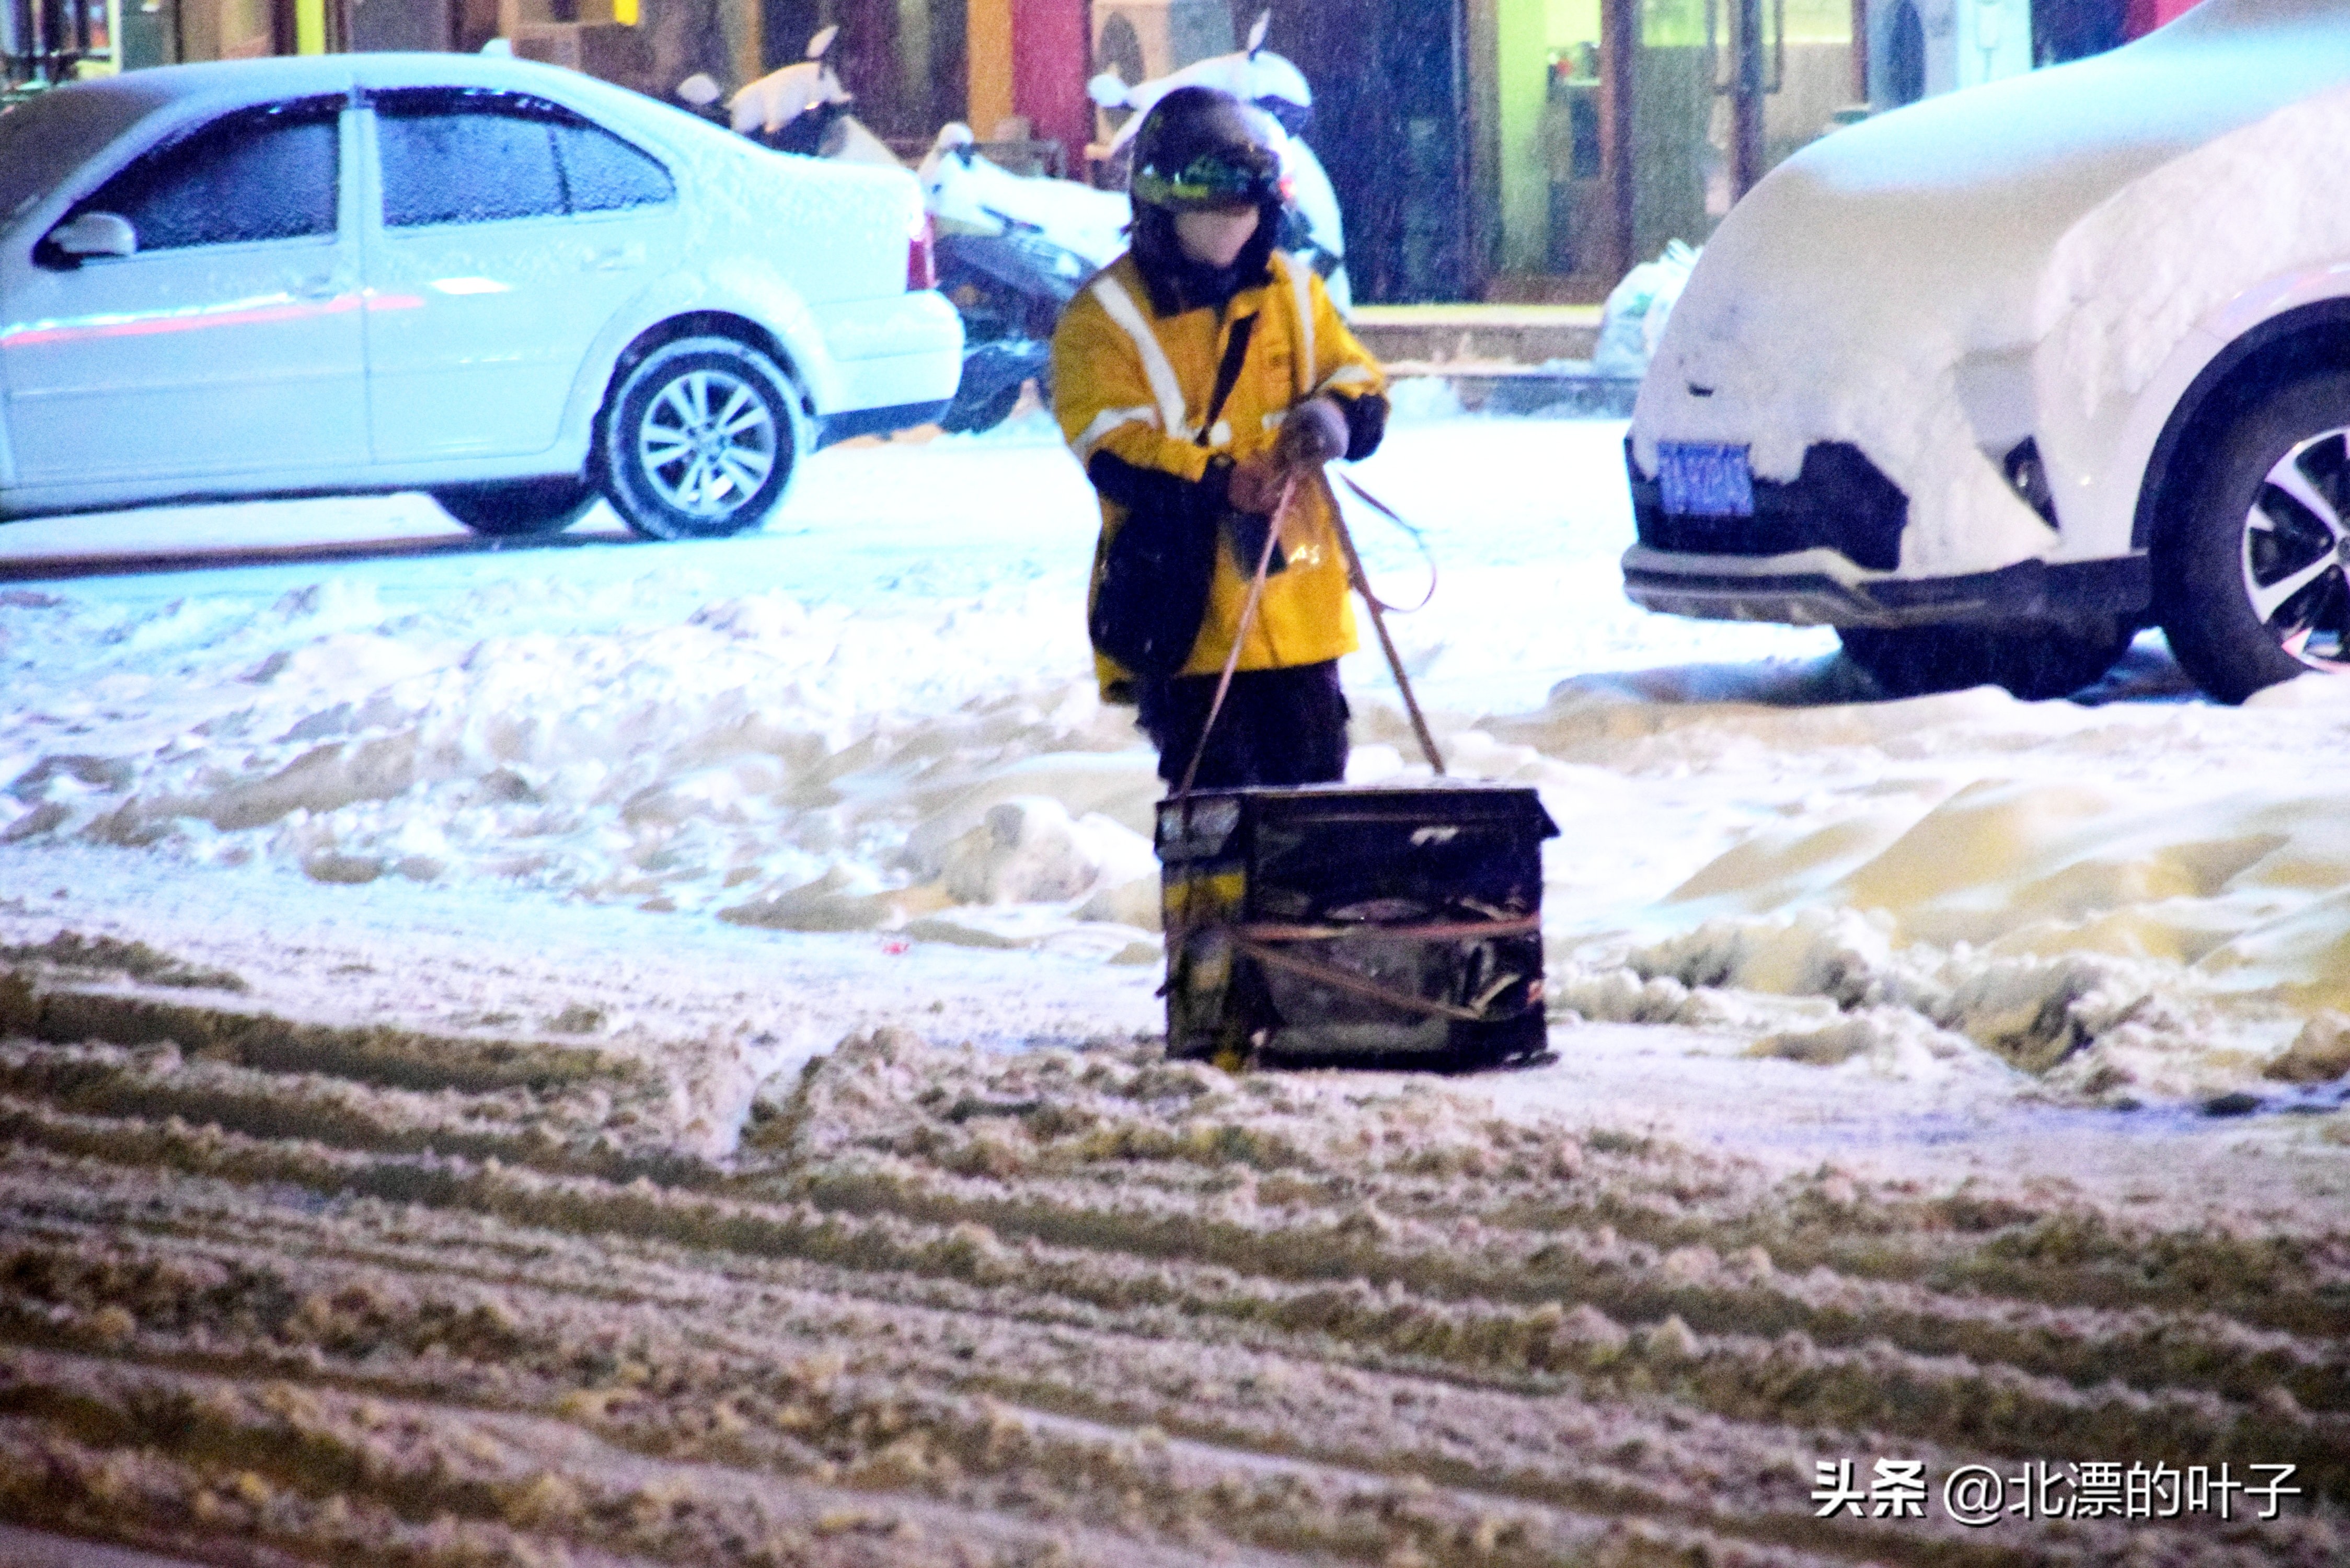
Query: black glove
[1314, 433]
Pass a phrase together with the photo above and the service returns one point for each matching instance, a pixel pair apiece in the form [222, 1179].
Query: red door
[1050, 49]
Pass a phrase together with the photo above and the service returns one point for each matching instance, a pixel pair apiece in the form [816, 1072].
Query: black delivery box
[1331, 924]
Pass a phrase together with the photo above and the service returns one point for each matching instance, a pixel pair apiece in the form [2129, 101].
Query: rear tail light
[921, 258]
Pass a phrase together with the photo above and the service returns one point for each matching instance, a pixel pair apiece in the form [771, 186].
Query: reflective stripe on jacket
[1134, 384]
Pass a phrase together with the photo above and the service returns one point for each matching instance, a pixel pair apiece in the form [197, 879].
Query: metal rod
[1240, 636]
[1395, 661]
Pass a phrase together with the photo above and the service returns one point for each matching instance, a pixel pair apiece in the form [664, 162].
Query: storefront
[1481, 149]
[1620, 125]
[50, 39]
[1535, 149]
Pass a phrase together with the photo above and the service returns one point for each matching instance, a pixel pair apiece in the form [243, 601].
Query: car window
[456, 155]
[602, 173]
[263, 174]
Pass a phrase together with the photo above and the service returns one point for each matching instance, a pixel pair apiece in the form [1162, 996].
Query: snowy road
[492, 902]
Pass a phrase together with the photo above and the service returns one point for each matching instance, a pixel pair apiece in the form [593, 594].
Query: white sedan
[1990, 382]
[509, 284]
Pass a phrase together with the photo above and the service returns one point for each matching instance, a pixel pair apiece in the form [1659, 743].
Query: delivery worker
[1199, 378]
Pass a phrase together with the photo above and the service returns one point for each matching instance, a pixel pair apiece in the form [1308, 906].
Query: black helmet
[1196, 147]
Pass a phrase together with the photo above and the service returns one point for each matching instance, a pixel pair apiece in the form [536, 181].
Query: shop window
[259, 175]
[1571, 123]
[1677, 23]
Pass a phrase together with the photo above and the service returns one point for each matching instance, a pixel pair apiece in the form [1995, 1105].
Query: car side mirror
[95, 234]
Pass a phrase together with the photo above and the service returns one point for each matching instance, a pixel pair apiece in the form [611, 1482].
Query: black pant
[1276, 727]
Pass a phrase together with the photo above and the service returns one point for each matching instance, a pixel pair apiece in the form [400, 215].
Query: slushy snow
[879, 716]
[674, 1076]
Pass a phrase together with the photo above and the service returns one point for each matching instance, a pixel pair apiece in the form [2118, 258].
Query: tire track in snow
[269, 1291]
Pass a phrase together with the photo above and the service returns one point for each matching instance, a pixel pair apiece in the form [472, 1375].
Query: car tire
[519, 509]
[699, 439]
[2032, 662]
[2250, 565]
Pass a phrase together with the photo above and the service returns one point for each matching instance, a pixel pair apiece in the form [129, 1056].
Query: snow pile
[1913, 1008]
[2094, 894]
[880, 714]
[818, 770]
[879, 717]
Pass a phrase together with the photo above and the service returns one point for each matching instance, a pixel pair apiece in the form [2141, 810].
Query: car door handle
[614, 258]
[317, 287]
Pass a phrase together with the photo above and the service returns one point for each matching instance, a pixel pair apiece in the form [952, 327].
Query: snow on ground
[877, 716]
[486, 1063]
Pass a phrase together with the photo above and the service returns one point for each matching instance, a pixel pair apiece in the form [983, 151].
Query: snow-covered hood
[1862, 289]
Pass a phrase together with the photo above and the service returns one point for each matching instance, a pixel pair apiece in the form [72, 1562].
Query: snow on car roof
[1835, 301]
[293, 76]
[2107, 118]
[280, 76]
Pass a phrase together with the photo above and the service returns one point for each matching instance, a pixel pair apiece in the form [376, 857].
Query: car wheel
[2033, 661]
[519, 509]
[699, 441]
[2249, 569]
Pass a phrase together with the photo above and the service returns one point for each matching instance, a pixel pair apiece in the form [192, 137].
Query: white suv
[509, 284]
[1990, 382]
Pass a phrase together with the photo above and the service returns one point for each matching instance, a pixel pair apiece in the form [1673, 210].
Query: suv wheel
[2250, 571]
[699, 441]
[519, 508]
[2032, 660]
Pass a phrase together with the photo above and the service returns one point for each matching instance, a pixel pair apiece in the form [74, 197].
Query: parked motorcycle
[1011, 249]
[1275, 86]
[803, 109]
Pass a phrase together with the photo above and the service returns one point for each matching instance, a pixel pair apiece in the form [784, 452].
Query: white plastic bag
[1634, 318]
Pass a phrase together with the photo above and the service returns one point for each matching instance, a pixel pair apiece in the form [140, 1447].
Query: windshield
[45, 138]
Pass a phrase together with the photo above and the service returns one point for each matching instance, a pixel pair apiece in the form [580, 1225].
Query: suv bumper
[1822, 588]
[1822, 549]
[1840, 501]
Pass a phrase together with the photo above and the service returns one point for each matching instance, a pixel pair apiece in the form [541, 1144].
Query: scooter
[803, 107]
[1276, 88]
[1012, 250]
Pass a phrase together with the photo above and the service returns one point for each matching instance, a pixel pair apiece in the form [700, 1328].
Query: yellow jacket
[1135, 385]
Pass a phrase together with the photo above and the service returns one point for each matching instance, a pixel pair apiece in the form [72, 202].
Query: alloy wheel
[2295, 555]
[707, 442]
